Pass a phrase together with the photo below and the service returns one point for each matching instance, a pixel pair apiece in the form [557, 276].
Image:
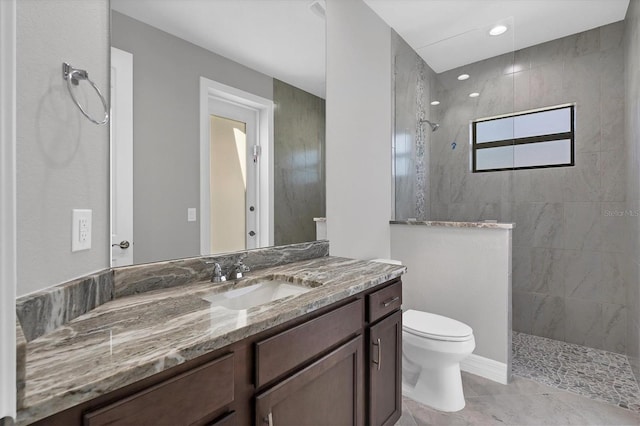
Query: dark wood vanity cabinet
[384, 339]
[385, 370]
[327, 392]
[198, 393]
[339, 365]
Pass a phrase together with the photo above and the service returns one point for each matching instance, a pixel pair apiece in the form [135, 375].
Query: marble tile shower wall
[632, 138]
[412, 91]
[299, 166]
[569, 279]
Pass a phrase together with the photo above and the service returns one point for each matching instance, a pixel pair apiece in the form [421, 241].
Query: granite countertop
[131, 338]
[449, 224]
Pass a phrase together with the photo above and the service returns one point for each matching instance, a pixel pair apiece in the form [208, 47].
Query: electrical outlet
[80, 229]
[191, 214]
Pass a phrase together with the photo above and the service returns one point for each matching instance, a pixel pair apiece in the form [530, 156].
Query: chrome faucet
[238, 270]
[216, 276]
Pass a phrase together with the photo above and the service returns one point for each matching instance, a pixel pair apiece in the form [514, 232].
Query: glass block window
[524, 140]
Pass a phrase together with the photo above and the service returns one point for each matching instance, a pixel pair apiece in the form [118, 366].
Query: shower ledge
[450, 224]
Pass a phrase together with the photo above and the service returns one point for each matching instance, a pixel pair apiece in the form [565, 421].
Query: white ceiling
[281, 38]
[286, 40]
[451, 33]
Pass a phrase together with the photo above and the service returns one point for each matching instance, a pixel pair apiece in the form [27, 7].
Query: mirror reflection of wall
[166, 143]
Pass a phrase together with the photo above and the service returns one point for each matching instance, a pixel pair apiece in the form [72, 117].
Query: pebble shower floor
[597, 374]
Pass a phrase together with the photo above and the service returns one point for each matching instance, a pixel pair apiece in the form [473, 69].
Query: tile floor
[597, 374]
[554, 383]
[522, 402]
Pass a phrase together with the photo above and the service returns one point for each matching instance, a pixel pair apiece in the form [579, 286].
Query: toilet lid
[435, 327]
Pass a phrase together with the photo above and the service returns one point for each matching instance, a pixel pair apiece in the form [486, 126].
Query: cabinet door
[385, 371]
[328, 392]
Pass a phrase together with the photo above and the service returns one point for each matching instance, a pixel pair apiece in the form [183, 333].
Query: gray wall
[412, 79]
[632, 139]
[568, 249]
[570, 277]
[166, 152]
[62, 158]
[299, 166]
[358, 130]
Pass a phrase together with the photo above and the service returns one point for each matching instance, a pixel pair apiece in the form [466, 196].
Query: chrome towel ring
[73, 76]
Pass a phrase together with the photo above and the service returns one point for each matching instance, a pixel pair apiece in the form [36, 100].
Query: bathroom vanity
[331, 355]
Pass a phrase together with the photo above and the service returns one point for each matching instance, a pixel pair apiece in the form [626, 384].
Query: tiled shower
[575, 243]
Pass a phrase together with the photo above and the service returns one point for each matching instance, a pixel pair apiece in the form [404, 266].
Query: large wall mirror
[218, 126]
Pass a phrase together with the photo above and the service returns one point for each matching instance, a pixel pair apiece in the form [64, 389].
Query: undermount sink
[263, 291]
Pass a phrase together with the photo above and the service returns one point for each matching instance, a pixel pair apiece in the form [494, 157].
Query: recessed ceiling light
[463, 77]
[498, 30]
[474, 95]
[435, 102]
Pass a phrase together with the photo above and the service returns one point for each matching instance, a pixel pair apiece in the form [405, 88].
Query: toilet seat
[435, 327]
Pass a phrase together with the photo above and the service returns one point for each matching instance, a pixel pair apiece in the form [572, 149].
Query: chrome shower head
[434, 126]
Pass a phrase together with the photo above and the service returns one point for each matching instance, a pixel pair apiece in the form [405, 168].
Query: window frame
[526, 140]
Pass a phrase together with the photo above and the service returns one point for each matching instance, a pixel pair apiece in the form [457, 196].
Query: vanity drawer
[198, 393]
[384, 301]
[287, 350]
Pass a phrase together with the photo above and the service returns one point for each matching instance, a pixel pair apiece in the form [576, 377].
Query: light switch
[80, 229]
[191, 214]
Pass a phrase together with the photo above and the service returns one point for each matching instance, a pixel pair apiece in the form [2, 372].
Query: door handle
[379, 361]
[123, 245]
[269, 419]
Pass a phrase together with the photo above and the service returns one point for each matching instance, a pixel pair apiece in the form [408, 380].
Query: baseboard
[485, 367]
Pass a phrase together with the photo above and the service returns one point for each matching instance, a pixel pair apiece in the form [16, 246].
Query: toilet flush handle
[379, 361]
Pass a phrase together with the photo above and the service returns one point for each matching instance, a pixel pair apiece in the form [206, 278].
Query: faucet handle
[217, 276]
[241, 267]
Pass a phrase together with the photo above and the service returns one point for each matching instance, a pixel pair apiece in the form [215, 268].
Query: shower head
[434, 126]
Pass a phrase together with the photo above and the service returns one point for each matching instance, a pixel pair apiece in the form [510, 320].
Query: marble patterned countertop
[449, 224]
[131, 338]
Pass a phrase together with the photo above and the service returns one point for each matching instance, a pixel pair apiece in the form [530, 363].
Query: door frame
[8, 239]
[213, 90]
[121, 130]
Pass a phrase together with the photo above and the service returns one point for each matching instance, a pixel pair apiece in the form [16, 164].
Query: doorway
[236, 169]
[233, 213]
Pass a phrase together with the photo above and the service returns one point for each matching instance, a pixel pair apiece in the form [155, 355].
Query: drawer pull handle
[388, 302]
[379, 361]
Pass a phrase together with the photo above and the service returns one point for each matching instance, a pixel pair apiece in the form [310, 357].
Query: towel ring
[73, 76]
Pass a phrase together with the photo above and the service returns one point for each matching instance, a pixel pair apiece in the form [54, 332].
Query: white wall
[7, 209]
[62, 158]
[358, 130]
[461, 273]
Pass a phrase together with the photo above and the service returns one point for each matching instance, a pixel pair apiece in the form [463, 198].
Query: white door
[233, 208]
[121, 157]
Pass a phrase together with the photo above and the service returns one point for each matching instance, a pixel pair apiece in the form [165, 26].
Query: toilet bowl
[432, 348]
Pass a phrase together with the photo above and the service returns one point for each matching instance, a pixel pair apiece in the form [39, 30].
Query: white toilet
[432, 348]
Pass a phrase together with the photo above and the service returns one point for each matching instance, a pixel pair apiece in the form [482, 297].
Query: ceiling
[286, 39]
[451, 33]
